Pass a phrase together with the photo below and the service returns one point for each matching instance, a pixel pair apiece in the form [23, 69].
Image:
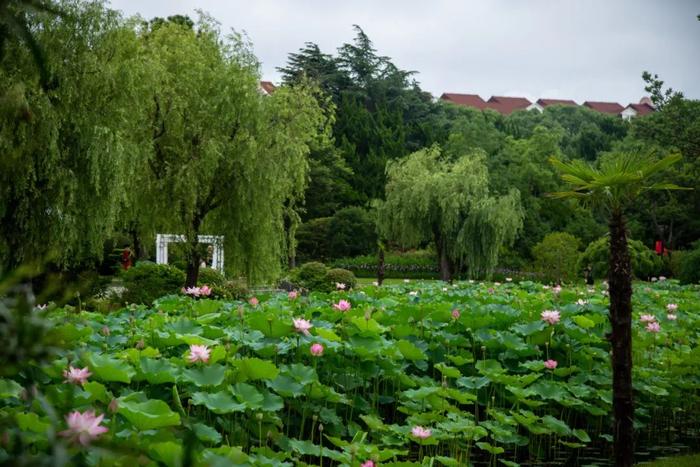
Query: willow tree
[613, 188]
[68, 154]
[447, 202]
[226, 159]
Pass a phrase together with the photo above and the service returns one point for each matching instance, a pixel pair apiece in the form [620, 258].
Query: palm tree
[613, 187]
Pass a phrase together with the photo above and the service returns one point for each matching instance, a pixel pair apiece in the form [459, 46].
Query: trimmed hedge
[420, 264]
[148, 281]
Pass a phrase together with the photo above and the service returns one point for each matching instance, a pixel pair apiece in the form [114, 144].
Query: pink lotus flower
[581, 302]
[420, 432]
[496, 284]
[654, 279]
[550, 316]
[254, 301]
[340, 286]
[205, 291]
[316, 350]
[653, 327]
[76, 375]
[83, 427]
[509, 279]
[671, 307]
[41, 307]
[671, 317]
[456, 314]
[342, 305]
[199, 353]
[367, 464]
[662, 278]
[550, 364]
[491, 291]
[193, 291]
[292, 295]
[556, 290]
[301, 325]
[647, 318]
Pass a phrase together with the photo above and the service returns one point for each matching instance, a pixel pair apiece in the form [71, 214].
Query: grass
[681, 461]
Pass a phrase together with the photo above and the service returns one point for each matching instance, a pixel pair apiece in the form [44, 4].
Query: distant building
[612, 108]
[506, 105]
[542, 103]
[636, 110]
[266, 87]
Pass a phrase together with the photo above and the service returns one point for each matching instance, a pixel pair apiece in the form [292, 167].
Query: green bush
[645, 263]
[210, 277]
[689, 265]
[342, 276]
[311, 276]
[312, 239]
[147, 281]
[556, 256]
[417, 264]
[230, 290]
[352, 232]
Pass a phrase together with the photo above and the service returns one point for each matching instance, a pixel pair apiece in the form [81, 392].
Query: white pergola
[217, 241]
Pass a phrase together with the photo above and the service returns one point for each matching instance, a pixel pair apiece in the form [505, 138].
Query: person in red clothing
[127, 257]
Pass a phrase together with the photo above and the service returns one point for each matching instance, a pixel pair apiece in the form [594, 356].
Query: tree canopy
[432, 198]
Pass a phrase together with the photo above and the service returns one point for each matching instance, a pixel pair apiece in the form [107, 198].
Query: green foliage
[556, 256]
[408, 351]
[71, 153]
[147, 281]
[689, 267]
[313, 239]
[211, 277]
[340, 276]
[448, 203]
[230, 290]
[352, 232]
[645, 262]
[415, 264]
[311, 276]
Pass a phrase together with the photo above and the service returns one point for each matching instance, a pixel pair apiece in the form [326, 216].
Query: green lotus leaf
[147, 415]
[106, 368]
[252, 369]
[221, 402]
[203, 376]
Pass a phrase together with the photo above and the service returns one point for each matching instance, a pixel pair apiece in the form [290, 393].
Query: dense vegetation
[517, 372]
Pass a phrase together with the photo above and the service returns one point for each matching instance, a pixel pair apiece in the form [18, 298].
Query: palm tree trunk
[620, 283]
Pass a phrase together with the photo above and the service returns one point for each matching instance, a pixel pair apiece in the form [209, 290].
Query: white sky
[583, 50]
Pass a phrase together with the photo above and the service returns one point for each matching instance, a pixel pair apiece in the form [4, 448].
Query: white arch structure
[217, 241]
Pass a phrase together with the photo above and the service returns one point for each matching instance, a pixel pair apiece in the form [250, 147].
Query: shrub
[343, 276]
[147, 281]
[417, 264]
[311, 276]
[351, 232]
[210, 277]
[645, 263]
[312, 239]
[556, 256]
[689, 265]
[230, 290]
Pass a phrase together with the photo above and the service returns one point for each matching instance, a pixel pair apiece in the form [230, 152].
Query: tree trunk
[193, 257]
[444, 264]
[620, 289]
[380, 267]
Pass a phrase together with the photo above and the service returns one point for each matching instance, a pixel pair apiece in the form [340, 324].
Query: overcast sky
[584, 50]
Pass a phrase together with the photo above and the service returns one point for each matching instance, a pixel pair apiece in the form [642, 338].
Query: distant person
[127, 258]
[588, 275]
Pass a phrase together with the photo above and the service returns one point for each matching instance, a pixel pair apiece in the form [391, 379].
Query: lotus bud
[320, 427]
[259, 416]
[315, 418]
[113, 406]
[140, 344]
[105, 331]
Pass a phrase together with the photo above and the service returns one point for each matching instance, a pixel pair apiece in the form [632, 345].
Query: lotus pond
[410, 374]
